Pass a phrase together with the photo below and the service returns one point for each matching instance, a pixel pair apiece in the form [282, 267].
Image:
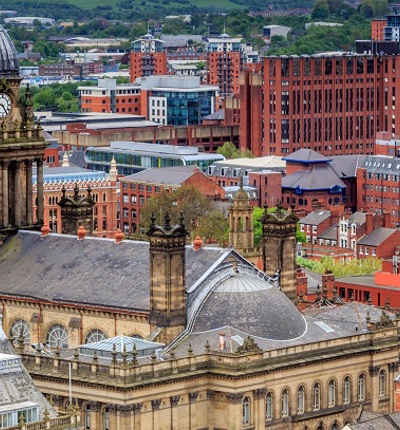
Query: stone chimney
[167, 278]
[76, 211]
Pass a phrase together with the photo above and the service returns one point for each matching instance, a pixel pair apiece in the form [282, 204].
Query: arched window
[347, 390]
[300, 400]
[269, 414]
[382, 383]
[87, 417]
[104, 197]
[95, 336]
[17, 327]
[316, 397]
[361, 387]
[57, 336]
[285, 403]
[331, 394]
[246, 411]
[335, 426]
[106, 419]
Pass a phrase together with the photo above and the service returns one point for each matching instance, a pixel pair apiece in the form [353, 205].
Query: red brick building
[148, 57]
[333, 104]
[136, 189]
[224, 63]
[378, 29]
[378, 186]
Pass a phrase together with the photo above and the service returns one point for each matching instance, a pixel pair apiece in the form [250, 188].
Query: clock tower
[21, 147]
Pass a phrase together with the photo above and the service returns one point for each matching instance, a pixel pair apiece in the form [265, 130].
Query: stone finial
[65, 161]
[81, 232]
[45, 230]
[119, 236]
[197, 243]
[369, 301]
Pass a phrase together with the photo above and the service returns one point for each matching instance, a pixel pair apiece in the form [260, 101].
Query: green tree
[45, 98]
[320, 10]
[229, 151]
[214, 226]
[186, 199]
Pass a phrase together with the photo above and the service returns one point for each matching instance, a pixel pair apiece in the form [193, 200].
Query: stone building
[21, 145]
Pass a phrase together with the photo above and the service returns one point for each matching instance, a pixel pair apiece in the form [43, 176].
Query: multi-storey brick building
[148, 57]
[224, 63]
[136, 189]
[378, 29]
[333, 104]
[378, 186]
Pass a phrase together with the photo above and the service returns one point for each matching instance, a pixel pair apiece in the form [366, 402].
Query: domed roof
[9, 64]
[252, 305]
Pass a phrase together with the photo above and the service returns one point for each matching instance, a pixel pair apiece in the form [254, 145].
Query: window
[133, 199]
[106, 419]
[382, 383]
[95, 336]
[269, 406]
[314, 228]
[316, 397]
[57, 336]
[361, 387]
[331, 394]
[285, 403]
[347, 390]
[246, 411]
[126, 198]
[300, 400]
[87, 417]
[18, 327]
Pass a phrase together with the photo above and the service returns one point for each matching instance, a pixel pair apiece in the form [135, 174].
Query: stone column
[137, 408]
[17, 194]
[391, 386]
[211, 408]
[22, 166]
[39, 181]
[5, 194]
[29, 193]
[174, 412]
[192, 410]
[1, 194]
[372, 387]
[235, 411]
[155, 406]
[95, 415]
[259, 408]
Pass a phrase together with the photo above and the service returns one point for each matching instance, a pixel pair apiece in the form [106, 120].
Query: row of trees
[365, 266]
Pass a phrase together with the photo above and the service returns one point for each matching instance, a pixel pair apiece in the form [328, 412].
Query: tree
[186, 199]
[214, 226]
[320, 10]
[229, 151]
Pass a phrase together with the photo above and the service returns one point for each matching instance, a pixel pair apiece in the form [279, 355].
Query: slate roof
[219, 115]
[93, 271]
[319, 177]
[357, 218]
[375, 421]
[379, 235]
[16, 386]
[165, 176]
[315, 217]
[329, 234]
[346, 165]
[253, 306]
[307, 156]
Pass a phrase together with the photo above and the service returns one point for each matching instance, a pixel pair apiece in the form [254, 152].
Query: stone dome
[9, 64]
[251, 305]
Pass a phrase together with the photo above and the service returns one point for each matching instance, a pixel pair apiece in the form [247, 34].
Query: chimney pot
[197, 243]
[222, 341]
[45, 230]
[119, 236]
[81, 232]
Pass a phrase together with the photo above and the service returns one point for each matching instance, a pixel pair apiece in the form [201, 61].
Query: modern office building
[148, 57]
[133, 157]
[224, 63]
[333, 104]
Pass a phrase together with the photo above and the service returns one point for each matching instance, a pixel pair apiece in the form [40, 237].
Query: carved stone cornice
[373, 370]
[259, 393]
[210, 394]
[95, 406]
[125, 410]
[112, 408]
[394, 366]
[137, 408]
[193, 396]
[234, 398]
[155, 404]
[175, 400]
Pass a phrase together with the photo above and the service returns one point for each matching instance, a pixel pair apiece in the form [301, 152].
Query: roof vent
[81, 232]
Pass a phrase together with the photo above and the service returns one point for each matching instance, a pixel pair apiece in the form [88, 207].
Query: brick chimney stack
[369, 223]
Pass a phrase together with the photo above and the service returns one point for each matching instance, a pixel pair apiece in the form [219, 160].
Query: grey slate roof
[379, 235]
[9, 64]
[375, 421]
[357, 218]
[17, 386]
[307, 156]
[329, 234]
[253, 306]
[163, 176]
[219, 115]
[315, 217]
[346, 165]
[92, 271]
[319, 177]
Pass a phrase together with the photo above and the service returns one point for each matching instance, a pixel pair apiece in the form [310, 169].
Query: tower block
[279, 247]
[167, 278]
